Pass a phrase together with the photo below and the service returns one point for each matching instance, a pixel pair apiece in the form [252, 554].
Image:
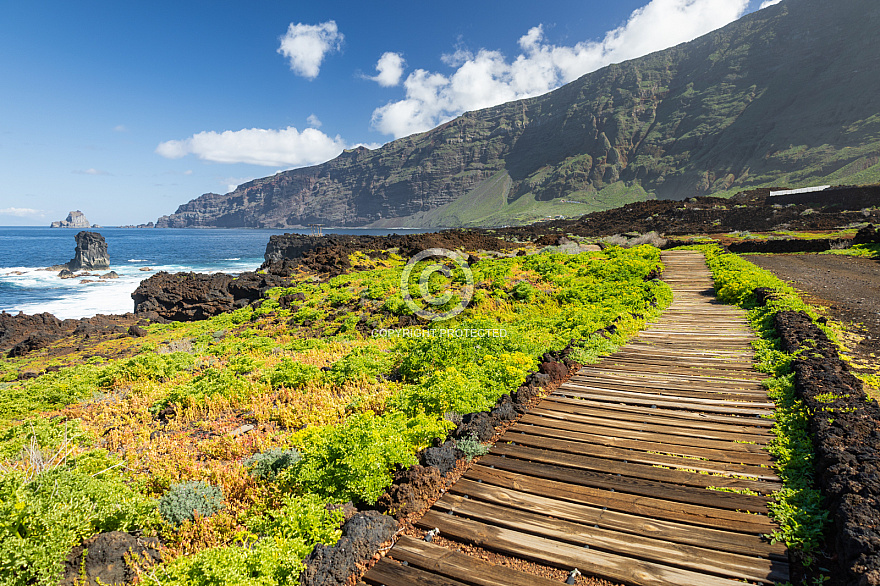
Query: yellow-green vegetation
[798, 505]
[229, 437]
[860, 250]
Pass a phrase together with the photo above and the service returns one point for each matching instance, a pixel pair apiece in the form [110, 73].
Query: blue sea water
[26, 251]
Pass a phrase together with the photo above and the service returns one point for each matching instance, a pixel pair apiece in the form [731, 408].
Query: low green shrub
[47, 433]
[40, 521]
[355, 459]
[267, 562]
[147, 366]
[291, 374]
[52, 390]
[306, 518]
[183, 502]
[211, 384]
[472, 447]
[360, 364]
[267, 465]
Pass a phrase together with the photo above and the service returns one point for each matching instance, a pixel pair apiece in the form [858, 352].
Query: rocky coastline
[191, 296]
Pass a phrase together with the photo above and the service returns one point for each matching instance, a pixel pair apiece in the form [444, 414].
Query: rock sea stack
[91, 253]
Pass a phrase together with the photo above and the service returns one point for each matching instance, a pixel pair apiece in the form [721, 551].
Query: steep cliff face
[788, 95]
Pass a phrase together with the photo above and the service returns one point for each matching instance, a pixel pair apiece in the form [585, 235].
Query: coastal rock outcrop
[195, 296]
[330, 254]
[91, 253]
[74, 220]
[22, 333]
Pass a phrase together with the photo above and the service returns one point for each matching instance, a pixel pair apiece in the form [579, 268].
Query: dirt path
[848, 287]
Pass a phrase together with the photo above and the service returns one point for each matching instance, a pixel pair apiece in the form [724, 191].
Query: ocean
[26, 251]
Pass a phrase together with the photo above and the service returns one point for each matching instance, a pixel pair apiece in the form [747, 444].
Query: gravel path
[848, 286]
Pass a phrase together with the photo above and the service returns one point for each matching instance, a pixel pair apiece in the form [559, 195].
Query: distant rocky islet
[75, 219]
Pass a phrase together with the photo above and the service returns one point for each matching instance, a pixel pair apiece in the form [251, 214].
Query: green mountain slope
[789, 95]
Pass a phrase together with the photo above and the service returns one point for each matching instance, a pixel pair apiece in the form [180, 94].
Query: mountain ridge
[783, 96]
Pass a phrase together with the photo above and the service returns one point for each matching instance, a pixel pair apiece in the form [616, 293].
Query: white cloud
[313, 121]
[287, 147]
[768, 3]
[90, 172]
[305, 45]
[488, 78]
[390, 67]
[120, 128]
[21, 212]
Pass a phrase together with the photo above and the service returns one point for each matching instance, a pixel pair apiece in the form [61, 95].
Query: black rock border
[845, 428]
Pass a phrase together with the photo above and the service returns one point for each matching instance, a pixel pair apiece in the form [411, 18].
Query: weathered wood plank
[459, 566]
[722, 540]
[552, 421]
[565, 489]
[760, 458]
[609, 480]
[389, 573]
[663, 552]
[566, 556]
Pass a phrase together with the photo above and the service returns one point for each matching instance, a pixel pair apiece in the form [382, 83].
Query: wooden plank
[633, 470]
[671, 368]
[674, 381]
[652, 459]
[551, 450]
[598, 429]
[664, 552]
[570, 390]
[721, 540]
[689, 416]
[761, 458]
[565, 412]
[568, 556]
[705, 386]
[688, 399]
[388, 573]
[608, 480]
[747, 426]
[626, 503]
[459, 566]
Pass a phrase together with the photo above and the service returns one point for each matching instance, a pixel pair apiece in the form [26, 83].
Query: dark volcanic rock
[195, 296]
[411, 491]
[135, 331]
[783, 246]
[330, 254]
[91, 253]
[361, 537]
[104, 561]
[843, 423]
[23, 333]
[867, 235]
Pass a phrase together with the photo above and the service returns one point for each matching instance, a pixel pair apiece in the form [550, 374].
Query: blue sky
[126, 110]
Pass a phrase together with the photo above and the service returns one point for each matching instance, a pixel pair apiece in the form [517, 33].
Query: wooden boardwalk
[613, 473]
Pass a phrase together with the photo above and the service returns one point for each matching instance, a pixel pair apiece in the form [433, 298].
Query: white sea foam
[73, 299]
[137, 260]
